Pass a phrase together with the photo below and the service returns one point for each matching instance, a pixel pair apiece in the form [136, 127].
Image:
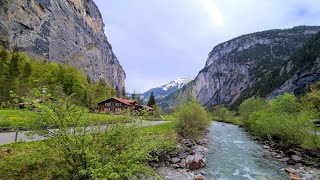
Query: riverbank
[300, 164]
[188, 156]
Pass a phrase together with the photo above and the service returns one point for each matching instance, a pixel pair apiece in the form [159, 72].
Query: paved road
[9, 137]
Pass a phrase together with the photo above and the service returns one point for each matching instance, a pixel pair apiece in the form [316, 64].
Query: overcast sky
[157, 41]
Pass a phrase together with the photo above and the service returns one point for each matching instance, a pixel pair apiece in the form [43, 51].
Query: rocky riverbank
[188, 156]
[300, 165]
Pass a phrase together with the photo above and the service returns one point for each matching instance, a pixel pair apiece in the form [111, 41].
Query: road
[9, 137]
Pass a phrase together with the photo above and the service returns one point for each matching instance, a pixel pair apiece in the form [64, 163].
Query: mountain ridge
[246, 66]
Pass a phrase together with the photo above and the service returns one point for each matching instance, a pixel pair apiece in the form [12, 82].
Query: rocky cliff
[64, 31]
[251, 65]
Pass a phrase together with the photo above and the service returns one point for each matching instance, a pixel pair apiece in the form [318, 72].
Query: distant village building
[114, 105]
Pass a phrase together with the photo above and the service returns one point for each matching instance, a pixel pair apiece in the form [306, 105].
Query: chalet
[114, 104]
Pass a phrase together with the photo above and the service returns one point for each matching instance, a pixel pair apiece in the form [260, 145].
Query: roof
[148, 107]
[124, 101]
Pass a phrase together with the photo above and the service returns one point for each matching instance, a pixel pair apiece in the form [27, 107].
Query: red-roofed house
[116, 105]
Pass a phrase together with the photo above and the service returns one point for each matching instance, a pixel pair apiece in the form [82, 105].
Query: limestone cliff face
[64, 31]
[250, 65]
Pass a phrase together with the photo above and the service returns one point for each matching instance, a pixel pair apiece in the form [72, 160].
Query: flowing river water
[234, 155]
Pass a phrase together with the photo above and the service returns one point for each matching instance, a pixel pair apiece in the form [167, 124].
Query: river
[234, 155]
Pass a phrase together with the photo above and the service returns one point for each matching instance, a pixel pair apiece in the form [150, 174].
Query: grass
[16, 118]
[165, 128]
[23, 118]
[29, 160]
[35, 160]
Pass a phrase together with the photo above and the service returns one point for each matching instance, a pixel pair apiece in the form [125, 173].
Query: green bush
[192, 120]
[223, 113]
[286, 119]
[248, 107]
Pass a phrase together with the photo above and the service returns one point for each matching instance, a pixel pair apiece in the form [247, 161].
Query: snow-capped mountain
[167, 88]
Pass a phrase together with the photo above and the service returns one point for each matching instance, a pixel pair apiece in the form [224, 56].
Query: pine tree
[118, 91]
[123, 92]
[14, 64]
[152, 100]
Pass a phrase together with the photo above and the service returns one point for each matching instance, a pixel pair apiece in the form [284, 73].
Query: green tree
[249, 106]
[123, 92]
[152, 100]
[192, 120]
[4, 89]
[223, 113]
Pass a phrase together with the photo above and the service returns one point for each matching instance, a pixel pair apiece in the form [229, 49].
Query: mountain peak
[167, 89]
[178, 82]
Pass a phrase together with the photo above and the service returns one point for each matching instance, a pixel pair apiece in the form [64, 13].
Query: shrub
[223, 113]
[248, 107]
[286, 119]
[192, 120]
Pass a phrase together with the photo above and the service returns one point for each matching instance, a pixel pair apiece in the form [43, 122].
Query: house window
[118, 104]
[107, 109]
[117, 109]
[107, 104]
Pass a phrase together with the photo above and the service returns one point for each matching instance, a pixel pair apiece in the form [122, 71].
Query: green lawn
[32, 160]
[23, 118]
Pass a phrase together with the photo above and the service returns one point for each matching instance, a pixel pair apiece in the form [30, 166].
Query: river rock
[187, 142]
[162, 164]
[169, 174]
[290, 170]
[175, 160]
[293, 177]
[199, 177]
[202, 141]
[183, 163]
[296, 158]
[266, 147]
[195, 161]
[183, 155]
[284, 159]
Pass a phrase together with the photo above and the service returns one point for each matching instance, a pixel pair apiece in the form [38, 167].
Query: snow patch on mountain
[179, 83]
[167, 89]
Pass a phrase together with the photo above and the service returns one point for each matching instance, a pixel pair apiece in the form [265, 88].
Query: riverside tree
[192, 120]
[152, 100]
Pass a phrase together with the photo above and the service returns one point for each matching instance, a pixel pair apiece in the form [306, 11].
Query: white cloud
[213, 11]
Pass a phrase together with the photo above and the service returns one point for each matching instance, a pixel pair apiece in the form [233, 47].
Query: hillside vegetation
[20, 75]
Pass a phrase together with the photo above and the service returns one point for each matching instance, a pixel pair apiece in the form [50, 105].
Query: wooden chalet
[114, 105]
